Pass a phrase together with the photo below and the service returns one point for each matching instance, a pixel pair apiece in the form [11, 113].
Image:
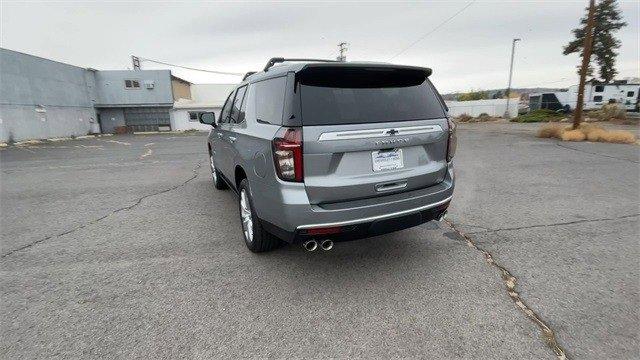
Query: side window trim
[244, 95]
[228, 102]
[243, 107]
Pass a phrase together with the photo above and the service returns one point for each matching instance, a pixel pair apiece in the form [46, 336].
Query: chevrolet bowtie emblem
[392, 132]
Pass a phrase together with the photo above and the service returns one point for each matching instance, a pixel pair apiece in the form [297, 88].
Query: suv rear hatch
[370, 131]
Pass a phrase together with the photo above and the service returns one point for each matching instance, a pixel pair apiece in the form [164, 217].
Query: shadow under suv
[321, 151]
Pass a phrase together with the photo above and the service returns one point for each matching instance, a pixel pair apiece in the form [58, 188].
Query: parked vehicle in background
[321, 151]
[624, 92]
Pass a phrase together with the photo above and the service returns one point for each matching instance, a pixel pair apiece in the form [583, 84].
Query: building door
[147, 119]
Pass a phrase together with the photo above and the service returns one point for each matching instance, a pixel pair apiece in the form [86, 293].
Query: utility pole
[343, 50]
[135, 61]
[513, 49]
[586, 56]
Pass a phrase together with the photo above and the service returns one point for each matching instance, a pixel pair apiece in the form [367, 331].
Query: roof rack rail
[248, 74]
[276, 60]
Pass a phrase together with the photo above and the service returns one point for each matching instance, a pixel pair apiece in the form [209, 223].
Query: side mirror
[208, 118]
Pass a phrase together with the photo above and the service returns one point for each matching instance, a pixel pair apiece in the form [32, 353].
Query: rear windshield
[336, 96]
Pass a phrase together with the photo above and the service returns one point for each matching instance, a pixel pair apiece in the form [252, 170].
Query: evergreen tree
[608, 18]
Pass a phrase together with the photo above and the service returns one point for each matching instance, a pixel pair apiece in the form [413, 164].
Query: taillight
[452, 141]
[287, 154]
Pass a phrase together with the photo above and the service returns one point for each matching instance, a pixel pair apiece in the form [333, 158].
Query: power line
[432, 30]
[546, 83]
[190, 68]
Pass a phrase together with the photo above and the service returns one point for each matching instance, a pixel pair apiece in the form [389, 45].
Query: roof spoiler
[276, 60]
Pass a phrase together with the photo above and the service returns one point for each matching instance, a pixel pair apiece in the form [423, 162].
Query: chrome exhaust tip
[442, 216]
[310, 245]
[327, 245]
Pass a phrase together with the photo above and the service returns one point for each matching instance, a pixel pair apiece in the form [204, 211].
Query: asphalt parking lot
[120, 247]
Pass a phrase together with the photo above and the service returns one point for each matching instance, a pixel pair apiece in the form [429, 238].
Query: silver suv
[321, 151]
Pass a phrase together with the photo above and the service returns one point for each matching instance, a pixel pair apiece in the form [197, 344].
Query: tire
[255, 236]
[218, 182]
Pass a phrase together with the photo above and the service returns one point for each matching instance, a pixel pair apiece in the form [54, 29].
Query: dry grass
[484, 117]
[551, 130]
[464, 118]
[619, 136]
[573, 135]
[591, 132]
[610, 112]
[596, 135]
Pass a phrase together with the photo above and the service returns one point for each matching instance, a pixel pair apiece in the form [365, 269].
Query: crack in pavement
[593, 153]
[548, 225]
[510, 284]
[113, 212]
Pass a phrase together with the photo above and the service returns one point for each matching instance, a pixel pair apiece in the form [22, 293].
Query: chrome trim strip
[372, 133]
[373, 218]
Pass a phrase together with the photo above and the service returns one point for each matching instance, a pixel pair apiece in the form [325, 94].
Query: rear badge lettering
[392, 141]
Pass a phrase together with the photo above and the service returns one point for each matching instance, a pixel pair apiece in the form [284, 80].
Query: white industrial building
[204, 98]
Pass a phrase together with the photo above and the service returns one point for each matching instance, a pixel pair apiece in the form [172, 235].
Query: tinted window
[226, 109]
[597, 98]
[331, 96]
[237, 115]
[630, 93]
[599, 88]
[270, 100]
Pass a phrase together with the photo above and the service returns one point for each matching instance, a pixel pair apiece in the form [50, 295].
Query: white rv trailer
[595, 95]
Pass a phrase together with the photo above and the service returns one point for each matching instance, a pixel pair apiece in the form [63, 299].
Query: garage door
[147, 119]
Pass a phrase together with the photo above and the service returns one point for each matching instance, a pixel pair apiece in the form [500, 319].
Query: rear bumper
[297, 222]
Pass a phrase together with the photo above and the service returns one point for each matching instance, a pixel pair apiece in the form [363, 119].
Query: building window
[597, 98]
[132, 84]
[630, 93]
[599, 88]
[193, 116]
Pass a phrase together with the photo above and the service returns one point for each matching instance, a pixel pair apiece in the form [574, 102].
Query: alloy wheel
[245, 214]
[213, 169]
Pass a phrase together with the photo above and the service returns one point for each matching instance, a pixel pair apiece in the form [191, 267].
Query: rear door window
[270, 100]
[336, 96]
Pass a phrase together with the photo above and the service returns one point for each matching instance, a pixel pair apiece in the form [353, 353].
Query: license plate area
[388, 159]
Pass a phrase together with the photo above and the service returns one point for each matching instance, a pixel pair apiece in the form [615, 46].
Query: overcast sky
[469, 52]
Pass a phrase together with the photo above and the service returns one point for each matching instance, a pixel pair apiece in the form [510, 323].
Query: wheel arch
[239, 174]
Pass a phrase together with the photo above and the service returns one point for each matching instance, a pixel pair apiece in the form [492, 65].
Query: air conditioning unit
[149, 84]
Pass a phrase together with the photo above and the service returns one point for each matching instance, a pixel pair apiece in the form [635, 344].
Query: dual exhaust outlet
[326, 245]
[312, 245]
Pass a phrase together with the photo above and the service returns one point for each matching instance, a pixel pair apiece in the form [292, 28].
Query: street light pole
[513, 49]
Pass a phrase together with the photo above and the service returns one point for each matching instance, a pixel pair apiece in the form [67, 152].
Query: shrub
[464, 118]
[596, 135]
[591, 132]
[550, 131]
[485, 117]
[610, 112]
[619, 136]
[540, 115]
[573, 135]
